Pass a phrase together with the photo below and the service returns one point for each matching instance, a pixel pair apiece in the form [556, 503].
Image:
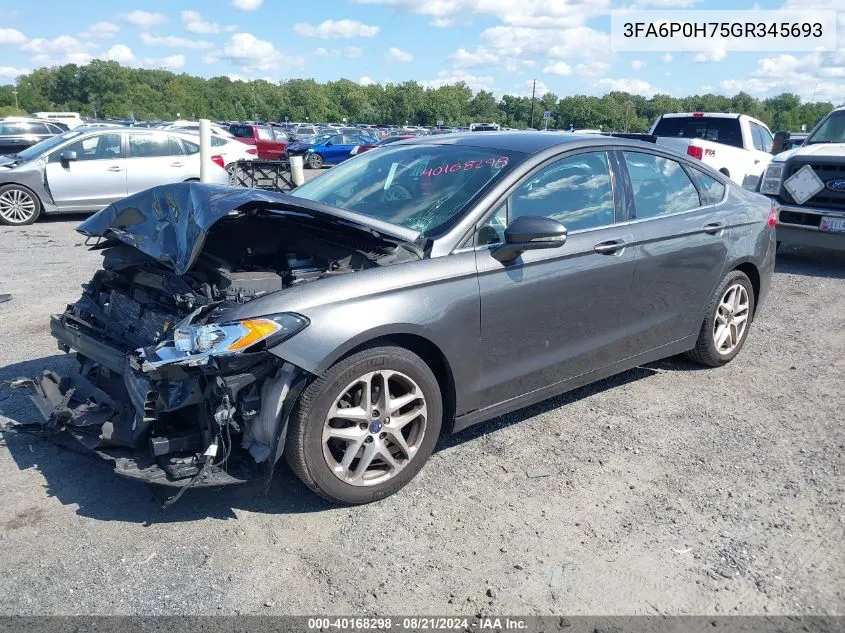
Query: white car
[88, 169]
[193, 127]
[737, 145]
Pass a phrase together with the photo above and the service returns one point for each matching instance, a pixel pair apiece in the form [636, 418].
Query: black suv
[17, 134]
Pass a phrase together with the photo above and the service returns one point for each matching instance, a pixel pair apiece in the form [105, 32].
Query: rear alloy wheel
[315, 161]
[18, 205]
[728, 320]
[366, 427]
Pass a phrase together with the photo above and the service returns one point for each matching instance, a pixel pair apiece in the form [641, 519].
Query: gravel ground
[663, 490]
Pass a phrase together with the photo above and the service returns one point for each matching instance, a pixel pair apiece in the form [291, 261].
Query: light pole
[17, 109]
[533, 90]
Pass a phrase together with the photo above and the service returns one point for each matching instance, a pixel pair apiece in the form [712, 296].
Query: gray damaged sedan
[412, 291]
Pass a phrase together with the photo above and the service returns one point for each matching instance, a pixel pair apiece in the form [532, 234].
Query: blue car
[327, 149]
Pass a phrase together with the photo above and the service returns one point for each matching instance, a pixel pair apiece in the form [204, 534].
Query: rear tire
[727, 322]
[19, 206]
[315, 161]
[382, 443]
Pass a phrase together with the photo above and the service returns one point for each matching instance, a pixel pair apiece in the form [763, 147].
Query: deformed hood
[170, 222]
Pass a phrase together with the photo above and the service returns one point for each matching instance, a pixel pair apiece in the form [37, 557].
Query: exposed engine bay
[152, 393]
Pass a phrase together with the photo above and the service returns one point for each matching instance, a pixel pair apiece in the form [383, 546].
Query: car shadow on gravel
[75, 477]
[810, 262]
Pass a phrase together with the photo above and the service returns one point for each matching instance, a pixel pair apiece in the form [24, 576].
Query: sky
[497, 45]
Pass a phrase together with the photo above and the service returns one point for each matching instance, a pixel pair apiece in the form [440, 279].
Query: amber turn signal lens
[257, 330]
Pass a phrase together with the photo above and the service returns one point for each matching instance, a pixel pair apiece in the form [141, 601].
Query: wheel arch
[753, 273]
[429, 352]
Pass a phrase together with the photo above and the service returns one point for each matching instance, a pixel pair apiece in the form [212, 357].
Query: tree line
[107, 89]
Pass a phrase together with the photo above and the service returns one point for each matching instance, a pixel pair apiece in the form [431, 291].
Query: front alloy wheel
[315, 161]
[365, 427]
[18, 206]
[375, 428]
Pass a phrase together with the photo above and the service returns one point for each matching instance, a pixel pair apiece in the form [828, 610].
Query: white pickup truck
[735, 144]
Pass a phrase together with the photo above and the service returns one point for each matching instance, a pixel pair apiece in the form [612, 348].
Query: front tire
[727, 323]
[19, 206]
[315, 161]
[366, 427]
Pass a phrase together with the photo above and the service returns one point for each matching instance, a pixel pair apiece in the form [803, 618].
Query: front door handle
[714, 228]
[756, 160]
[609, 247]
[115, 168]
[176, 164]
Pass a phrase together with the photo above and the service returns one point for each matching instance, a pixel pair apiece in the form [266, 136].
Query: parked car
[17, 133]
[270, 142]
[737, 145]
[85, 170]
[418, 289]
[807, 184]
[388, 140]
[228, 148]
[194, 127]
[327, 149]
[68, 119]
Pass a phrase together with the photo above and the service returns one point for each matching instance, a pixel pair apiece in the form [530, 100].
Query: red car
[387, 140]
[270, 142]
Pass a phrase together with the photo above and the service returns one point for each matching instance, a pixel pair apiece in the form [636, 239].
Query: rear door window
[710, 190]
[241, 131]
[717, 129]
[661, 186]
[153, 146]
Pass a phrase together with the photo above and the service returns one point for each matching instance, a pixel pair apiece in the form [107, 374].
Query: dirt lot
[666, 489]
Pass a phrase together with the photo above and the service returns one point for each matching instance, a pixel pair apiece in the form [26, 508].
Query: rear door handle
[176, 164]
[714, 228]
[115, 168]
[609, 247]
[756, 160]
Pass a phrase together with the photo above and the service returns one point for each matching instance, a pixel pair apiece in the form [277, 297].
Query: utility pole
[17, 109]
[533, 89]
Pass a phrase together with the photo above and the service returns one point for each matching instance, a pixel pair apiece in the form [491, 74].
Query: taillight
[695, 152]
[773, 217]
[218, 160]
[252, 151]
[698, 115]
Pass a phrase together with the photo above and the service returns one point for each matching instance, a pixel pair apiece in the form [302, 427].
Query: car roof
[525, 142]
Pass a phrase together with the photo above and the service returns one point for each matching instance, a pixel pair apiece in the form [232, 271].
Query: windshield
[46, 145]
[320, 140]
[831, 130]
[422, 187]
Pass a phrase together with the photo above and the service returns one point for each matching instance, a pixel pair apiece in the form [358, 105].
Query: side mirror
[67, 156]
[528, 233]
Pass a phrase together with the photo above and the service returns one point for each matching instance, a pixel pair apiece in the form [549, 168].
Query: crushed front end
[167, 387]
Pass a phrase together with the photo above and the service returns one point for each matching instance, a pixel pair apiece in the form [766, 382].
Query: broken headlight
[238, 336]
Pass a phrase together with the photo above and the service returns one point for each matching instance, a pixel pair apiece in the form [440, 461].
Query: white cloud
[530, 43]
[8, 72]
[120, 53]
[534, 13]
[65, 49]
[592, 69]
[481, 56]
[335, 29]
[558, 68]
[366, 81]
[253, 55]
[637, 64]
[145, 19]
[814, 76]
[354, 51]
[322, 52]
[102, 30]
[172, 62]
[442, 23]
[634, 86]
[195, 24]
[11, 36]
[445, 77]
[172, 41]
[398, 55]
[539, 89]
[666, 58]
[716, 54]
[231, 28]
[247, 5]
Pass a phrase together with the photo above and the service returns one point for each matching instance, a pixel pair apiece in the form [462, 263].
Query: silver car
[86, 170]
